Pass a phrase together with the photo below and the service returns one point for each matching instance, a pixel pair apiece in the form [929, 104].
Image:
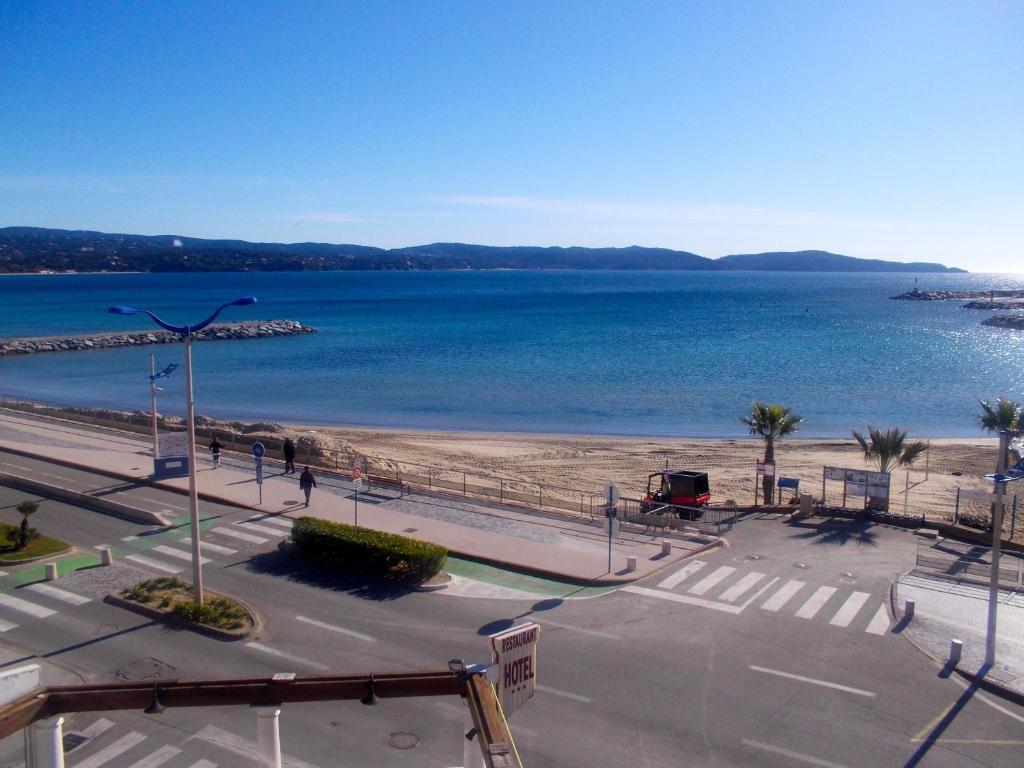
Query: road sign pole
[997, 540]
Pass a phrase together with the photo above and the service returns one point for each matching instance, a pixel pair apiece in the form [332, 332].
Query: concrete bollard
[51, 571]
[956, 650]
[908, 610]
[106, 555]
[666, 547]
[630, 563]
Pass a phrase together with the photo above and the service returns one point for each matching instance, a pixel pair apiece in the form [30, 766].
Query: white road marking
[240, 536]
[100, 726]
[565, 694]
[815, 603]
[705, 584]
[129, 538]
[161, 503]
[17, 604]
[284, 522]
[3, 573]
[849, 610]
[259, 529]
[880, 622]
[780, 598]
[681, 575]
[813, 681]
[733, 593]
[978, 695]
[685, 599]
[584, 630]
[791, 754]
[281, 654]
[187, 541]
[159, 757]
[148, 561]
[58, 594]
[203, 763]
[109, 753]
[211, 734]
[6, 626]
[339, 630]
[163, 549]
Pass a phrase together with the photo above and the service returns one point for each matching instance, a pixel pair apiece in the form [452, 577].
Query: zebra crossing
[103, 743]
[47, 600]
[732, 590]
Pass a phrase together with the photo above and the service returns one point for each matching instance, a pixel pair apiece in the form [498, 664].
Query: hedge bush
[366, 552]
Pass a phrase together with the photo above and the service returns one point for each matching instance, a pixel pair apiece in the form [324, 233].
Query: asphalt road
[711, 666]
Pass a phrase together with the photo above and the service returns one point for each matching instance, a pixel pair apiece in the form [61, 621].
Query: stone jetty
[916, 295]
[257, 329]
[1013, 322]
[997, 304]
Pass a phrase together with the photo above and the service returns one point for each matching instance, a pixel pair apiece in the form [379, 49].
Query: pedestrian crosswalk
[732, 589]
[139, 743]
[35, 601]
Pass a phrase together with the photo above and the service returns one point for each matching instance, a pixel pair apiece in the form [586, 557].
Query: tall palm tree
[27, 509]
[1003, 415]
[770, 422]
[889, 449]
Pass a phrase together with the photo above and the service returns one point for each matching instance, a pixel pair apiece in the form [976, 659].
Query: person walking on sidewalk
[215, 447]
[307, 483]
[289, 456]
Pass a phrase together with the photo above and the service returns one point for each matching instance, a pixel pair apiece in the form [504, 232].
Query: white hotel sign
[515, 653]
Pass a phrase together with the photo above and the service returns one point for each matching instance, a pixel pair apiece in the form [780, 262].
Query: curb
[53, 555]
[986, 684]
[174, 620]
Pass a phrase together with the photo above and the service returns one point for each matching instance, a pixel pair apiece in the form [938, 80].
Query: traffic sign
[357, 472]
[258, 449]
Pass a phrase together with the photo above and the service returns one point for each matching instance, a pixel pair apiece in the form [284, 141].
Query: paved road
[741, 657]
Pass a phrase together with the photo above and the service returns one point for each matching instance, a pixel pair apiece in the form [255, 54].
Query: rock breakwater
[998, 304]
[961, 295]
[257, 329]
[1013, 322]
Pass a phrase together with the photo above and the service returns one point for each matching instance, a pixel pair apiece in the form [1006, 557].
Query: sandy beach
[586, 463]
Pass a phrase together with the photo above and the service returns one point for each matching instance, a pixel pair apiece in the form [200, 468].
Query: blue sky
[876, 129]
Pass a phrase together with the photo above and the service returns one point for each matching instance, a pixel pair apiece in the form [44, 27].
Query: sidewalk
[544, 544]
[946, 609]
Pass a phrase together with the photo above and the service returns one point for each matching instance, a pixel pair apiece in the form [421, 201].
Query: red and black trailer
[678, 486]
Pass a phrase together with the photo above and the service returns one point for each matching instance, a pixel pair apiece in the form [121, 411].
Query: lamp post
[1000, 479]
[186, 332]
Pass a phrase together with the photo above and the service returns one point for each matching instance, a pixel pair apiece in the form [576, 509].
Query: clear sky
[890, 130]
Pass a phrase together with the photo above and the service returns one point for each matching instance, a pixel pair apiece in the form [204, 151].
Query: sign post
[764, 469]
[515, 653]
[611, 523]
[357, 486]
[258, 449]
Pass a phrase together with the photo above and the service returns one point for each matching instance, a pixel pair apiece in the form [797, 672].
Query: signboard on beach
[173, 444]
[765, 469]
[515, 653]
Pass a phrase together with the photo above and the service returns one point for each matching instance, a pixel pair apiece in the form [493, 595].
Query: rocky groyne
[998, 304]
[916, 295]
[257, 329]
[1013, 322]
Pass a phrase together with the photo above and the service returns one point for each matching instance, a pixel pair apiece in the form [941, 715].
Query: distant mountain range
[34, 249]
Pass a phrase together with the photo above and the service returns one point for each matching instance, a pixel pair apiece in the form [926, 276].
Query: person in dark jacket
[289, 456]
[307, 483]
[215, 447]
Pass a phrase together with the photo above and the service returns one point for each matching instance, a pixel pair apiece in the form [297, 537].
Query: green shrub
[366, 552]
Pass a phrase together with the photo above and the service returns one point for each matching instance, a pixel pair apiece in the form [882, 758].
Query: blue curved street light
[186, 332]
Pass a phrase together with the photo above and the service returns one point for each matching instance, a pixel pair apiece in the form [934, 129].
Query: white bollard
[630, 564]
[268, 737]
[51, 571]
[956, 650]
[908, 610]
[106, 555]
[46, 743]
[666, 547]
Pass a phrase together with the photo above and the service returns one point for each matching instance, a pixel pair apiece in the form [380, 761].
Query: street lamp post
[186, 332]
[1001, 478]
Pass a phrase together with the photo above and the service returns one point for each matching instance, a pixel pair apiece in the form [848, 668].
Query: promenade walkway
[546, 544]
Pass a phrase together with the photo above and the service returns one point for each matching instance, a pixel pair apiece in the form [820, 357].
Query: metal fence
[967, 562]
[874, 515]
[661, 518]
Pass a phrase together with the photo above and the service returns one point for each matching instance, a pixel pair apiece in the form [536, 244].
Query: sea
[661, 354]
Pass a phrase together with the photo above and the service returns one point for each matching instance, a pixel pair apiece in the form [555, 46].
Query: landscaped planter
[170, 600]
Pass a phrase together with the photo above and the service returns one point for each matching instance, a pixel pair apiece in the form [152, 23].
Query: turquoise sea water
[625, 353]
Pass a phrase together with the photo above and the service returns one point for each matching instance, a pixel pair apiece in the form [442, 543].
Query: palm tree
[770, 422]
[26, 508]
[888, 450]
[1003, 415]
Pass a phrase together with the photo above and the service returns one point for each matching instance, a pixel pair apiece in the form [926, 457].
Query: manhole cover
[403, 740]
[847, 578]
[143, 669]
[409, 530]
[799, 565]
[73, 741]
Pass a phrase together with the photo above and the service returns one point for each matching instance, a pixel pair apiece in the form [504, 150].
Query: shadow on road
[836, 532]
[929, 739]
[317, 575]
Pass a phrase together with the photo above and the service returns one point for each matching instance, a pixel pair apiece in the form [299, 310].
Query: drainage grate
[403, 740]
[73, 741]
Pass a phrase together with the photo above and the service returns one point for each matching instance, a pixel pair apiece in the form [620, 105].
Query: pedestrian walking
[289, 456]
[307, 483]
[215, 447]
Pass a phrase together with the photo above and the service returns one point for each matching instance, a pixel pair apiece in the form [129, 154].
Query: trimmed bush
[366, 552]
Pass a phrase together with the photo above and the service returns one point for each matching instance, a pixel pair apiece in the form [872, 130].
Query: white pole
[997, 540]
[46, 743]
[268, 737]
[152, 398]
[193, 493]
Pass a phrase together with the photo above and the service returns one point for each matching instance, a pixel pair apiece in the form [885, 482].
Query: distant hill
[34, 249]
